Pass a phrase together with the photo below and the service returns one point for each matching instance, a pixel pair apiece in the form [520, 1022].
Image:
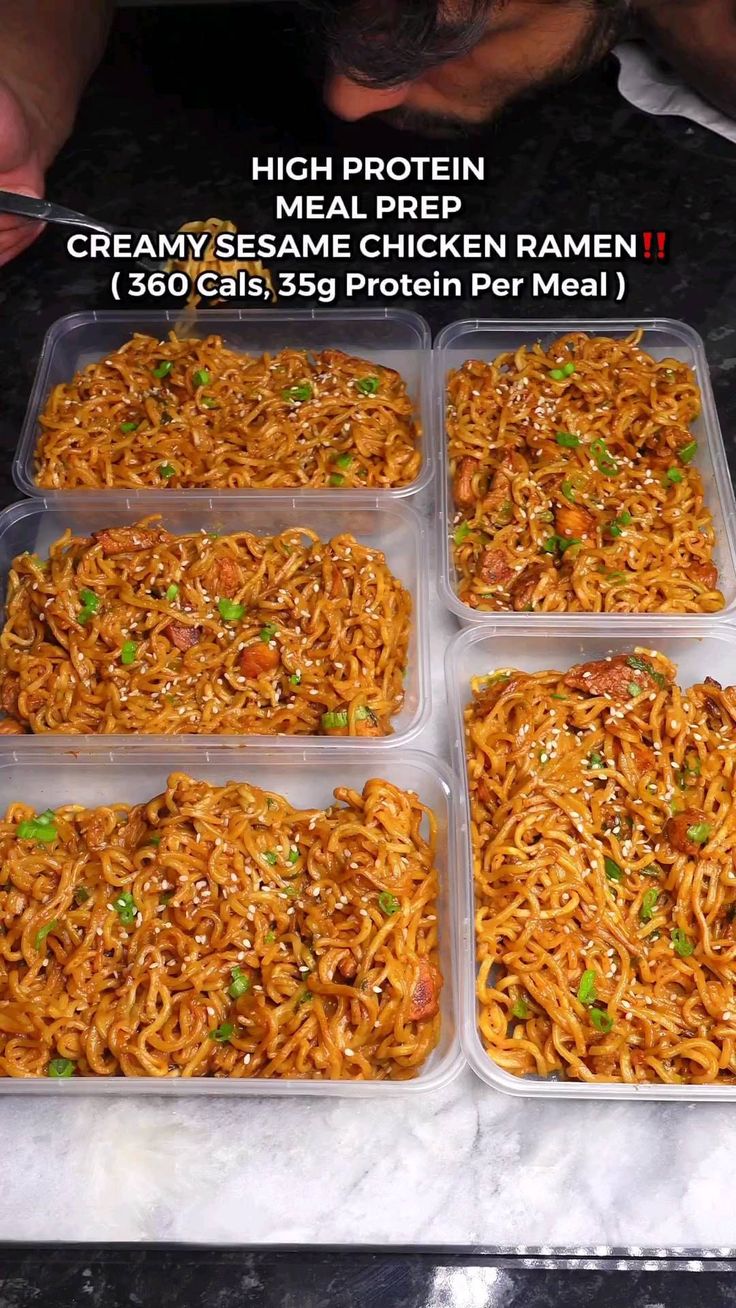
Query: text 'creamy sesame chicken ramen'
[211, 263]
[220, 932]
[604, 839]
[187, 413]
[137, 630]
[573, 482]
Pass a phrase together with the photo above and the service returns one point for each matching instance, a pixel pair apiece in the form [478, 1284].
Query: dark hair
[384, 42]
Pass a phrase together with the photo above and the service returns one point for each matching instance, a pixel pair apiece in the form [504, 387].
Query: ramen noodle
[216, 931]
[192, 268]
[188, 413]
[134, 629]
[604, 837]
[573, 482]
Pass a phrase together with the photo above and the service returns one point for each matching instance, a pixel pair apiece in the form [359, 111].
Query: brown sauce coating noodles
[138, 630]
[189, 413]
[217, 931]
[604, 838]
[573, 482]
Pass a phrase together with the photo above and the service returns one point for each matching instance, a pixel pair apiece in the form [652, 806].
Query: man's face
[526, 45]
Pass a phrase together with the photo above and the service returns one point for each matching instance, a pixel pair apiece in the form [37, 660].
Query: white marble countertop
[465, 1165]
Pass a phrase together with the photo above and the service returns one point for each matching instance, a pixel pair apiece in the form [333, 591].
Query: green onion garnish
[337, 718]
[682, 942]
[568, 440]
[209, 403]
[344, 460]
[41, 828]
[44, 931]
[297, 394]
[128, 652]
[270, 857]
[163, 369]
[602, 1021]
[128, 427]
[240, 985]
[172, 592]
[61, 1068]
[268, 632]
[202, 377]
[91, 604]
[125, 907]
[460, 533]
[586, 989]
[81, 895]
[166, 471]
[222, 1033]
[559, 374]
[633, 688]
[647, 905]
[613, 871]
[229, 610]
[596, 760]
[368, 385]
[641, 665]
[568, 490]
[388, 903]
[698, 833]
[520, 1009]
[688, 452]
[296, 679]
[293, 856]
[337, 479]
[604, 461]
[270, 938]
[674, 475]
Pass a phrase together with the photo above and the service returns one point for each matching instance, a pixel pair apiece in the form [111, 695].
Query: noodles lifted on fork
[573, 482]
[217, 931]
[187, 412]
[604, 839]
[192, 268]
[137, 630]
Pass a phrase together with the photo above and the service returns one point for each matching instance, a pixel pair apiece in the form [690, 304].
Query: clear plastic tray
[479, 338]
[306, 777]
[395, 337]
[699, 648]
[394, 528]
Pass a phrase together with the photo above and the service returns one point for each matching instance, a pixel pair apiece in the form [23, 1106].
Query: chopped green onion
[337, 479]
[674, 475]
[222, 1033]
[613, 871]
[154, 840]
[128, 426]
[569, 441]
[647, 905]
[81, 895]
[209, 403]
[166, 898]
[561, 543]
[172, 592]
[166, 471]
[688, 452]
[698, 833]
[292, 891]
[461, 532]
[641, 665]
[520, 1009]
[61, 1068]
[652, 870]
[128, 652]
[568, 490]
[270, 938]
[305, 997]
[270, 857]
[202, 377]
[559, 374]
[623, 520]
[125, 907]
[633, 688]
[40, 828]
[90, 600]
[562, 697]
[293, 856]
[586, 989]
[682, 942]
[296, 679]
[297, 393]
[368, 385]
[602, 1021]
[337, 718]
[388, 903]
[240, 985]
[604, 461]
[268, 632]
[229, 610]
[343, 460]
[163, 369]
[596, 760]
[44, 931]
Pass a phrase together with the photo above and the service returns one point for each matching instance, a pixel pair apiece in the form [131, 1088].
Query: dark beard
[607, 24]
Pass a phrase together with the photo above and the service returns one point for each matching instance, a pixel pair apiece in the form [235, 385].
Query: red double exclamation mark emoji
[650, 252]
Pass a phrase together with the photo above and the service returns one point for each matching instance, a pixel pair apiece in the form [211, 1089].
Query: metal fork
[27, 206]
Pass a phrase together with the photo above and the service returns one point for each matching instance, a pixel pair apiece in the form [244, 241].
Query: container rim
[481, 1062]
[451, 1062]
[22, 466]
[451, 336]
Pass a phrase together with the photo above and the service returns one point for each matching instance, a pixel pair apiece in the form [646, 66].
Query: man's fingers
[16, 238]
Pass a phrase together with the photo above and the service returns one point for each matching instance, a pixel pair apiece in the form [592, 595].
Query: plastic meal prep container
[484, 339]
[397, 338]
[395, 529]
[699, 648]
[306, 777]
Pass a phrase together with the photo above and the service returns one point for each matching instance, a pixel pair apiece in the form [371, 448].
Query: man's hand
[20, 170]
